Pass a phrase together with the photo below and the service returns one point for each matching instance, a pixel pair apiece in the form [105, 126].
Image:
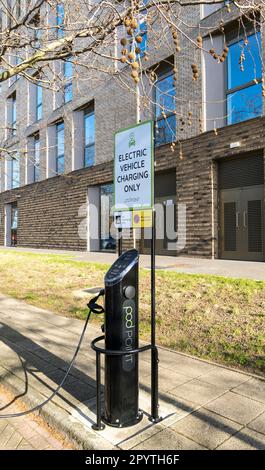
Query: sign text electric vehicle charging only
[133, 167]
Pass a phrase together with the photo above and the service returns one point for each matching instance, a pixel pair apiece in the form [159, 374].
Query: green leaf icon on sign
[132, 141]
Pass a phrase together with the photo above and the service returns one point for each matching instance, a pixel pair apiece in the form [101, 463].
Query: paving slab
[167, 381]
[236, 407]
[252, 388]
[36, 347]
[169, 440]
[206, 428]
[224, 377]
[258, 424]
[246, 439]
[198, 392]
[184, 364]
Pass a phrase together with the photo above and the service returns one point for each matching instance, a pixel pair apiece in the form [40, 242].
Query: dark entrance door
[14, 223]
[242, 222]
[242, 209]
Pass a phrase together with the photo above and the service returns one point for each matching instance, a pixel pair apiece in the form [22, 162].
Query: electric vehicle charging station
[121, 333]
[121, 327]
[121, 323]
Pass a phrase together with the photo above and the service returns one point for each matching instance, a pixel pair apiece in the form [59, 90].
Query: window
[68, 87]
[15, 173]
[9, 13]
[38, 102]
[164, 110]
[14, 223]
[107, 242]
[60, 148]
[244, 96]
[35, 24]
[14, 61]
[13, 114]
[18, 9]
[140, 31]
[60, 20]
[36, 174]
[89, 137]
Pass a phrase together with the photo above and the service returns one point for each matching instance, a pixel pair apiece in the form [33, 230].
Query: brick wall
[197, 179]
[49, 210]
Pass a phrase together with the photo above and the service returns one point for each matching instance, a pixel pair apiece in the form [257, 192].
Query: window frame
[88, 111]
[231, 91]
[142, 31]
[60, 20]
[68, 81]
[13, 103]
[59, 156]
[39, 104]
[36, 169]
[162, 76]
[14, 184]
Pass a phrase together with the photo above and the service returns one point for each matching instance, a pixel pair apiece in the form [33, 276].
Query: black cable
[93, 308]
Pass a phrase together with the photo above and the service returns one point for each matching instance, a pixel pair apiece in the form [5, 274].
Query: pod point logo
[132, 140]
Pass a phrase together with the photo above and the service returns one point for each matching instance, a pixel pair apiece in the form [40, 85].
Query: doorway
[242, 210]
[14, 224]
[242, 222]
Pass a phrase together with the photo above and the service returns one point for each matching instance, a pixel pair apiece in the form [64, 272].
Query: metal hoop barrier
[108, 352]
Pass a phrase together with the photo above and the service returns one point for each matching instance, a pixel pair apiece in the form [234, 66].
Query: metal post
[120, 241]
[98, 426]
[154, 352]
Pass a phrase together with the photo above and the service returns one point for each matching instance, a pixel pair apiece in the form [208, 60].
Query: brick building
[63, 146]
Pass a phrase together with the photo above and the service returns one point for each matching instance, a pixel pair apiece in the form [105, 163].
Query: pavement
[219, 267]
[26, 433]
[204, 406]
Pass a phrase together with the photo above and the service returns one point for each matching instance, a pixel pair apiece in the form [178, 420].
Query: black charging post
[121, 396]
[121, 334]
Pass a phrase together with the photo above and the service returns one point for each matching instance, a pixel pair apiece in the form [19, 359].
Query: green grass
[212, 317]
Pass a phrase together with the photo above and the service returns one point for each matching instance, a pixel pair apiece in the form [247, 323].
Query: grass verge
[212, 317]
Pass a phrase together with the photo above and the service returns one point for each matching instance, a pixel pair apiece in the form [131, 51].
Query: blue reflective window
[244, 104]
[68, 92]
[143, 34]
[15, 173]
[68, 69]
[251, 64]
[38, 102]
[13, 114]
[60, 148]
[140, 31]
[37, 158]
[165, 105]
[60, 20]
[68, 88]
[89, 137]
[244, 97]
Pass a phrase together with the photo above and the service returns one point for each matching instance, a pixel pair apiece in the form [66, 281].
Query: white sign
[123, 219]
[234, 145]
[133, 167]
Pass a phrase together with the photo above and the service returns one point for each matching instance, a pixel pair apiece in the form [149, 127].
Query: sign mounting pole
[155, 418]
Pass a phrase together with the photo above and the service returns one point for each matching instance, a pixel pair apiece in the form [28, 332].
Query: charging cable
[93, 308]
